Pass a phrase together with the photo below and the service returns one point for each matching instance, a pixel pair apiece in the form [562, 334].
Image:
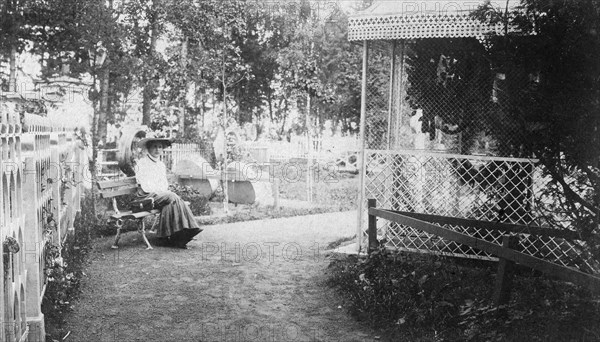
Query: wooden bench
[125, 186]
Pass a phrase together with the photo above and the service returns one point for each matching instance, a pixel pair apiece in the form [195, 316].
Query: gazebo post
[400, 86]
[363, 127]
[398, 80]
[391, 97]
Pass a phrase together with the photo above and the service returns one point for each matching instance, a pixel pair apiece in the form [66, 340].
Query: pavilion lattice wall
[415, 162]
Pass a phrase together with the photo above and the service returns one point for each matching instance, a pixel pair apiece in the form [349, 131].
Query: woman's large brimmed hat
[143, 143]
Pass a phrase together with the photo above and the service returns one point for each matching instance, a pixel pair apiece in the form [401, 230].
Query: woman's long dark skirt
[177, 223]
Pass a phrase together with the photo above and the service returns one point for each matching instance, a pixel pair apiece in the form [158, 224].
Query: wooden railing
[506, 252]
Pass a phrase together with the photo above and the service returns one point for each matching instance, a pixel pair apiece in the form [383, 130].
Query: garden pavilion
[403, 166]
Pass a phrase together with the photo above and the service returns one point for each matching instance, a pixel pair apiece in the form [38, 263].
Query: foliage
[10, 246]
[340, 64]
[206, 55]
[321, 62]
[272, 55]
[402, 290]
[551, 89]
[428, 298]
[259, 59]
[64, 270]
[258, 44]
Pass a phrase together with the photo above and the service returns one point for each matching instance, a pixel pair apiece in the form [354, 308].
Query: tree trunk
[94, 157]
[181, 132]
[110, 116]
[149, 84]
[309, 142]
[225, 159]
[184, 52]
[285, 113]
[202, 104]
[319, 122]
[147, 102]
[270, 101]
[103, 108]
[12, 79]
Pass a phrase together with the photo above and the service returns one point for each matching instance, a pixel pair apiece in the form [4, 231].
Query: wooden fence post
[505, 272]
[372, 229]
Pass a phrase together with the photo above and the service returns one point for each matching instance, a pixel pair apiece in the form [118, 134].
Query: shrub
[198, 203]
[421, 297]
[403, 290]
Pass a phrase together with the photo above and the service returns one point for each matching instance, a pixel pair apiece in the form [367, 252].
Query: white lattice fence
[472, 187]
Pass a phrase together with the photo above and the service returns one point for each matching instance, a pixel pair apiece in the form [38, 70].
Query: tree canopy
[260, 59]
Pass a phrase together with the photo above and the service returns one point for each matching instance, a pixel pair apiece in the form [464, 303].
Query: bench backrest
[114, 188]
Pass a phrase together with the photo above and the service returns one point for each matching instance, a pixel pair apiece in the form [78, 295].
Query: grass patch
[341, 241]
[414, 297]
[245, 212]
[338, 193]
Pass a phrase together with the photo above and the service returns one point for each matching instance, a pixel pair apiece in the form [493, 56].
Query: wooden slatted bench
[125, 186]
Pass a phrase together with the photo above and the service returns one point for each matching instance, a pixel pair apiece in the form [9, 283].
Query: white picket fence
[339, 150]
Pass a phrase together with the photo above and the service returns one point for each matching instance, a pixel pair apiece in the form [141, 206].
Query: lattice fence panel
[472, 187]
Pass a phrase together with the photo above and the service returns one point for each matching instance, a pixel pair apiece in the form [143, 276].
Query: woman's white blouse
[151, 175]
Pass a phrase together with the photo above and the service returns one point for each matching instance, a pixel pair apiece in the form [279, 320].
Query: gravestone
[194, 171]
[249, 184]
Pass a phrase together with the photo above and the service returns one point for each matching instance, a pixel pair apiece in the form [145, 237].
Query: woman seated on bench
[177, 223]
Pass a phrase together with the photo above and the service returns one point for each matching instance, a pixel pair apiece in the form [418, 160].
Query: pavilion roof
[404, 19]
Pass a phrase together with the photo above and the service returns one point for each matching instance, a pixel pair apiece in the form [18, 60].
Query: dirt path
[247, 281]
